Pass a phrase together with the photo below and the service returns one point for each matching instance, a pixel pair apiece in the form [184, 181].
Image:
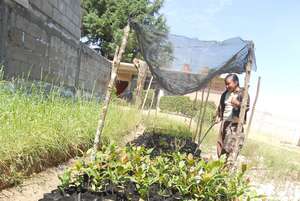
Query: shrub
[183, 105]
[178, 176]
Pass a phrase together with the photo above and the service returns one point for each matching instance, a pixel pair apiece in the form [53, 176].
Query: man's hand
[216, 118]
[235, 102]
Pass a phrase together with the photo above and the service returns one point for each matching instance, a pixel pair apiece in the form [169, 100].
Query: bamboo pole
[194, 105]
[115, 65]
[199, 116]
[142, 74]
[253, 107]
[232, 160]
[203, 114]
[144, 102]
[157, 99]
[152, 100]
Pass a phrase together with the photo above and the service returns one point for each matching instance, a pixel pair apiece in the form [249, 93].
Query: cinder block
[61, 6]
[36, 45]
[69, 13]
[54, 3]
[15, 37]
[17, 53]
[47, 8]
[40, 15]
[57, 16]
[21, 22]
[69, 2]
[37, 3]
[24, 69]
[16, 68]
[36, 31]
[30, 28]
[67, 24]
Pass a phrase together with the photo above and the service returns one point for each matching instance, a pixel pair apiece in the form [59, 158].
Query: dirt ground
[33, 188]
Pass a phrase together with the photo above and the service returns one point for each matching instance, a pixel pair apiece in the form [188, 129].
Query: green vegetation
[278, 162]
[163, 125]
[148, 99]
[39, 130]
[181, 105]
[185, 106]
[175, 175]
[103, 21]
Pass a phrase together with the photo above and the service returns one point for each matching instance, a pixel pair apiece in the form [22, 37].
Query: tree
[104, 20]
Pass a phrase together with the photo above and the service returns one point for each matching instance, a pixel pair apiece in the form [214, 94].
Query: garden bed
[153, 167]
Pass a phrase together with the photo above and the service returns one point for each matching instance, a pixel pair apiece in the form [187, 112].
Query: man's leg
[221, 138]
[232, 136]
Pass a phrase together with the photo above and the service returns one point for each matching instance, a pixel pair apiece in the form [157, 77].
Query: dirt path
[33, 188]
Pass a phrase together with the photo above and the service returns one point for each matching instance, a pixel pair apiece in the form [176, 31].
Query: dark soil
[56, 195]
[166, 144]
[160, 144]
[122, 195]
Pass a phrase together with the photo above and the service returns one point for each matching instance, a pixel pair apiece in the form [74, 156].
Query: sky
[273, 26]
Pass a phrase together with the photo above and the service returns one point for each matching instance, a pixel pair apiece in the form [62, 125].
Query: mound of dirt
[56, 195]
[166, 144]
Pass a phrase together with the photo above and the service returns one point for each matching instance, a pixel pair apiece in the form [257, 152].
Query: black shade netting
[183, 65]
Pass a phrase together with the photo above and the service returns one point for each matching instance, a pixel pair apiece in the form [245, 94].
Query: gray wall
[41, 38]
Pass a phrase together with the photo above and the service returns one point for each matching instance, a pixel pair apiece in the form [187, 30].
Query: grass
[164, 124]
[277, 162]
[38, 130]
[280, 162]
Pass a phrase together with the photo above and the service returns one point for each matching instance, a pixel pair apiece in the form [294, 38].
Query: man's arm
[236, 103]
[220, 108]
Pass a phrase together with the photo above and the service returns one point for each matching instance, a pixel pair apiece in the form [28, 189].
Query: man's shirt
[228, 109]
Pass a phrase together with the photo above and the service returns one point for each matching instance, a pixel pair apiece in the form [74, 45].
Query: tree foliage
[103, 22]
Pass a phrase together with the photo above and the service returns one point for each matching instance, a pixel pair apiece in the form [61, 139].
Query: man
[228, 113]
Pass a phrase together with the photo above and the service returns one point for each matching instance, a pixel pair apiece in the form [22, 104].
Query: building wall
[94, 72]
[40, 39]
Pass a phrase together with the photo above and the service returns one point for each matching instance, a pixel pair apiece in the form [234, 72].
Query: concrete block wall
[40, 39]
[90, 75]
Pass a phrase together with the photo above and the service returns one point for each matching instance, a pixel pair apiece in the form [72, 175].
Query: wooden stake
[142, 74]
[253, 107]
[194, 106]
[203, 115]
[115, 66]
[243, 108]
[158, 97]
[199, 117]
[152, 100]
[144, 102]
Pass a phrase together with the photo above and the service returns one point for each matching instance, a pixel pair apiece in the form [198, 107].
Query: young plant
[175, 175]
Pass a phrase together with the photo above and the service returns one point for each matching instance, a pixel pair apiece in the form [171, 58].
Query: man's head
[232, 82]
